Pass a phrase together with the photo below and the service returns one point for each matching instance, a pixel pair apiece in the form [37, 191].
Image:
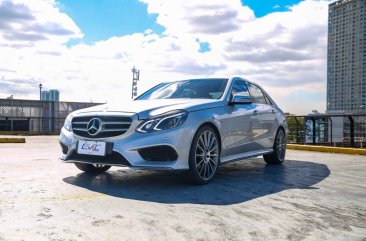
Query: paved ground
[313, 196]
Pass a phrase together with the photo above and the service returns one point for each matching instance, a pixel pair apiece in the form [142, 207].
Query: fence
[36, 116]
[342, 130]
[45, 117]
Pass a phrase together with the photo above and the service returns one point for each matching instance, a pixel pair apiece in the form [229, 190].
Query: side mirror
[241, 99]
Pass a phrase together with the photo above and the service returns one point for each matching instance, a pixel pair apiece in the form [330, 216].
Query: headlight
[67, 124]
[166, 121]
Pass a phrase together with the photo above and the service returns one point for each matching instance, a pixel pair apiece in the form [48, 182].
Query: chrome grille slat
[108, 130]
[111, 125]
[80, 129]
[81, 123]
[116, 123]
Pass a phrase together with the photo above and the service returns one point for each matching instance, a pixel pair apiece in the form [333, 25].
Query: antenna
[135, 78]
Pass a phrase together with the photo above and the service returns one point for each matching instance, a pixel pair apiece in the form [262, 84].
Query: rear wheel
[204, 155]
[279, 149]
[92, 168]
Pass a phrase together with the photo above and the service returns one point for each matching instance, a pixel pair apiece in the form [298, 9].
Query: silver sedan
[194, 125]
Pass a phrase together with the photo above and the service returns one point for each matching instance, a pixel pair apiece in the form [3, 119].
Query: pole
[314, 130]
[41, 108]
[352, 131]
[331, 131]
[40, 91]
[297, 130]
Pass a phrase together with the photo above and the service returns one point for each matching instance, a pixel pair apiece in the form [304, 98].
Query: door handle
[255, 112]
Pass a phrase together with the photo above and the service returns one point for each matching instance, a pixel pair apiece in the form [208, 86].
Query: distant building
[54, 95]
[346, 80]
[44, 95]
[51, 95]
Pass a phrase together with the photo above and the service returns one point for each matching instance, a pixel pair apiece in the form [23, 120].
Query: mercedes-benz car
[194, 125]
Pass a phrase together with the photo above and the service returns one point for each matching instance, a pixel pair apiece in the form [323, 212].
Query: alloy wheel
[207, 155]
[281, 145]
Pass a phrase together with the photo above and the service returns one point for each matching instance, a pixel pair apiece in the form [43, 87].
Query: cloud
[50, 28]
[306, 37]
[270, 54]
[192, 68]
[220, 22]
[284, 52]
[6, 70]
[12, 12]
[16, 36]
[21, 21]
[17, 86]
[199, 17]
[53, 53]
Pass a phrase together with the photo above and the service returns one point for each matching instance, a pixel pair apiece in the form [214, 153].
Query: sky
[87, 49]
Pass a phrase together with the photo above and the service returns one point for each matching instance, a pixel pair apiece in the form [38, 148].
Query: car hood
[148, 108]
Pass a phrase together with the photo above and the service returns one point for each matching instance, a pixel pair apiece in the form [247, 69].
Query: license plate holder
[94, 148]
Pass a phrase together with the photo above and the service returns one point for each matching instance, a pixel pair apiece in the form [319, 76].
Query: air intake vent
[64, 148]
[113, 159]
[158, 153]
[100, 126]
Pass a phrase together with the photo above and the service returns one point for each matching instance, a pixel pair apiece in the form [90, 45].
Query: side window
[257, 94]
[269, 102]
[240, 87]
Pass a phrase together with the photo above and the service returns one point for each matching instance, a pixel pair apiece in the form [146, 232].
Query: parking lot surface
[312, 196]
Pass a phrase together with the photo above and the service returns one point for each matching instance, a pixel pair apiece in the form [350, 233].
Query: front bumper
[125, 149]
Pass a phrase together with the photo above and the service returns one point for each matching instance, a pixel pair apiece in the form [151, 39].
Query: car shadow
[235, 183]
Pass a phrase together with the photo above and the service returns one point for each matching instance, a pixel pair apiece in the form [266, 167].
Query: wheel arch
[215, 128]
[281, 127]
[276, 132]
[284, 128]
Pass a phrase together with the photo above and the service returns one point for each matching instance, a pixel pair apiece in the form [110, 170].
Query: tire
[279, 147]
[92, 168]
[204, 155]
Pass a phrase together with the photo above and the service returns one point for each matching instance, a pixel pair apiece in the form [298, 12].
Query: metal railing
[47, 117]
[339, 130]
[43, 117]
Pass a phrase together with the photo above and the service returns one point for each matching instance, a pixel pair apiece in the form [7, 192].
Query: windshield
[189, 89]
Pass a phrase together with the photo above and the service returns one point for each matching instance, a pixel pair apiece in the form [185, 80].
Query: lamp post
[135, 78]
[40, 91]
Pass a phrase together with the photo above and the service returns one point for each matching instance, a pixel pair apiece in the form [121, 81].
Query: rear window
[257, 94]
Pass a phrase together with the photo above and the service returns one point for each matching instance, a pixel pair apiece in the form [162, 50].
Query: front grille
[114, 159]
[110, 126]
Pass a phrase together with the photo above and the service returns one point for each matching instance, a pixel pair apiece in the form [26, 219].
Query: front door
[238, 137]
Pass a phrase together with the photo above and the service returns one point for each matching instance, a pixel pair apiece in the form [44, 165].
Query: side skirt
[246, 155]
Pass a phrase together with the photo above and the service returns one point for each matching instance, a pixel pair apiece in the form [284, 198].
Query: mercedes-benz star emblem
[94, 126]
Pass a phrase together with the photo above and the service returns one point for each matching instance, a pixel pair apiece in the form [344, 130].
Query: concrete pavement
[312, 196]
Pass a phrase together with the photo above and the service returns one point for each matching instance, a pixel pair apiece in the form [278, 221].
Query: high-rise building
[51, 95]
[346, 80]
[45, 95]
[54, 95]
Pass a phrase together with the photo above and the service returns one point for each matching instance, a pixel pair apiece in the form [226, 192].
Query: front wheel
[279, 149]
[204, 155]
[92, 168]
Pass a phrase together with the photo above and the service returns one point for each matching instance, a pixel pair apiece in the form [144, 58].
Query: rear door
[265, 118]
[270, 121]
